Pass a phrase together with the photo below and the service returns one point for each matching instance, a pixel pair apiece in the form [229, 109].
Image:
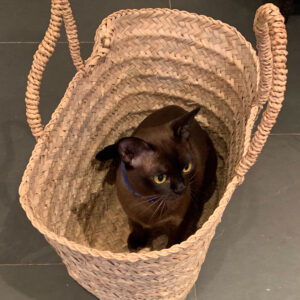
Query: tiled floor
[255, 252]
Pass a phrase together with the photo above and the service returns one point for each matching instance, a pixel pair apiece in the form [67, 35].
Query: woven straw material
[143, 60]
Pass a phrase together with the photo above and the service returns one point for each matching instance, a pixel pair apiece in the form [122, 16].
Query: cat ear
[107, 153]
[182, 125]
[131, 150]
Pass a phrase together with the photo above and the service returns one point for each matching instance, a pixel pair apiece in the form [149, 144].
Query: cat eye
[159, 179]
[187, 168]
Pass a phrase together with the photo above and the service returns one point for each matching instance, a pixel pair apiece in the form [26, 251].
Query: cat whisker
[154, 213]
[191, 181]
[152, 204]
[161, 200]
[146, 202]
[163, 209]
[192, 178]
[194, 175]
[148, 207]
[152, 196]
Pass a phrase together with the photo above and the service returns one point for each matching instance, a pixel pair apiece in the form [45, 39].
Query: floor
[255, 252]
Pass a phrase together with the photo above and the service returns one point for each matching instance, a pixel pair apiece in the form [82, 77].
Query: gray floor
[255, 252]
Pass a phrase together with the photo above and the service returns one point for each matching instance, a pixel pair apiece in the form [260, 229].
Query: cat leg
[188, 226]
[138, 237]
[174, 236]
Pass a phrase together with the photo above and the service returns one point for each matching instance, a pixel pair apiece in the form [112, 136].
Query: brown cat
[165, 172]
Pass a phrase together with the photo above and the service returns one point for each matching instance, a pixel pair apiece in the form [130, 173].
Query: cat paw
[135, 243]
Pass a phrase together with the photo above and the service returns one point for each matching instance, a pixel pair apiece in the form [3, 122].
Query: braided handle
[271, 40]
[60, 10]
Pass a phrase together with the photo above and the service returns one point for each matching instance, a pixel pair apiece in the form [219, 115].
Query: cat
[165, 171]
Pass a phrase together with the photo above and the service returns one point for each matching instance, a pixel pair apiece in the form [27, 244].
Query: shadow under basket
[143, 60]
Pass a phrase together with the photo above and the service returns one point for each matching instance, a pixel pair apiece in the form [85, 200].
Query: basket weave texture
[143, 60]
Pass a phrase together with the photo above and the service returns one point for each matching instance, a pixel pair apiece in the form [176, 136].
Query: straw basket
[143, 60]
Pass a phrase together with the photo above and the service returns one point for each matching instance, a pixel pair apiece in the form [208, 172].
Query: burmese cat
[164, 173]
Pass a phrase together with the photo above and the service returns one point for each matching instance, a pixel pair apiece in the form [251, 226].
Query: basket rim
[124, 12]
[44, 139]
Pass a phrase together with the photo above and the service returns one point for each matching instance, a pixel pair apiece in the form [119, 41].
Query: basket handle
[271, 41]
[60, 11]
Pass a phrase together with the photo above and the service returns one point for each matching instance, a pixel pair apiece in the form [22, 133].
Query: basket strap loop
[271, 40]
[60, 11]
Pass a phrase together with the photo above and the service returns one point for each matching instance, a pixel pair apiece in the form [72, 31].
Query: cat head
[159, 159]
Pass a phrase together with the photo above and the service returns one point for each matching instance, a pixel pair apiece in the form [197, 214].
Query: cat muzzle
[179, 188]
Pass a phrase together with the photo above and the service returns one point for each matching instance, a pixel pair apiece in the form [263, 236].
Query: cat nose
[179, 188]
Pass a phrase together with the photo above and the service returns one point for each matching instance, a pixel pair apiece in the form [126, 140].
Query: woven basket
[143, 60]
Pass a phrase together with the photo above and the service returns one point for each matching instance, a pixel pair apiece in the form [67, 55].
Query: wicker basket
[143, 60]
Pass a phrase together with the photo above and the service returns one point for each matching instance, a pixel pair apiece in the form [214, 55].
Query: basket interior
[150, 64]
